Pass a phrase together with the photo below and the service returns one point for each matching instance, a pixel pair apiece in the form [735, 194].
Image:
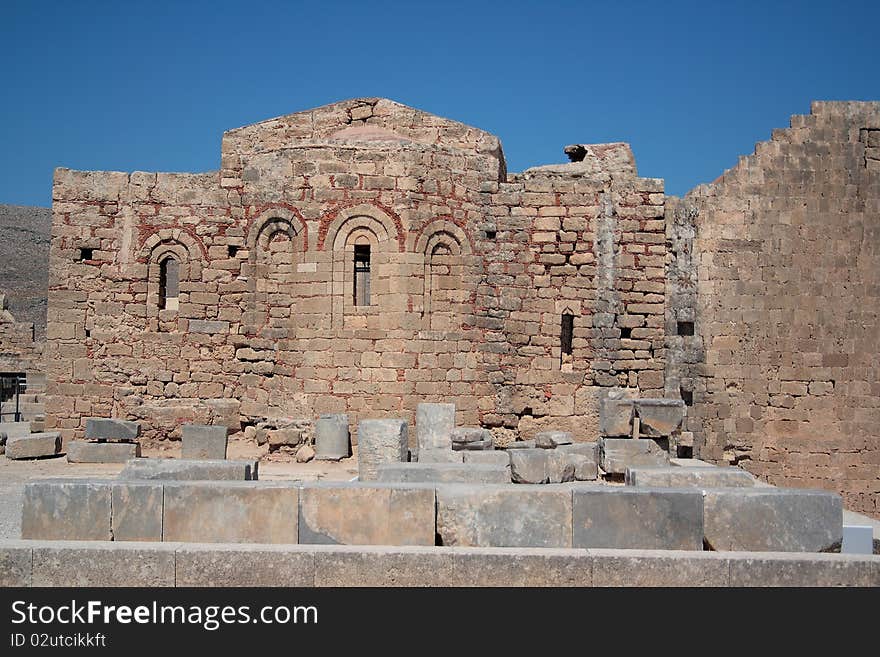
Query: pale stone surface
[528, 466]
[434, 425]
[521, 444]
[659, 417]
[522, 567]
[15, 565]
[618, 454]
[362, 514]
[450, 473]
[136, 511]
[761, 569]
[380, 441]
[65, 509]
[474, 445]
[552, 439]
[332, 438]
[385, 567]
[585, 468]
[111, 429]
[492, 457]
[85, 451]
[678, 477]
[103, 564]
[652, 568]
[305, 454]
[504, 516]
[15, 429]
[200, 441]
[208, 326]
[35, 445]
[463, 435]
[245, 565]
[189, 470]
[441, 456]
[631, 518]
[615, 417]
[772, 519]
[230, 512]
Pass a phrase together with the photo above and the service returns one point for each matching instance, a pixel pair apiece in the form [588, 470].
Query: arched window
[362, 274]
[169, 284]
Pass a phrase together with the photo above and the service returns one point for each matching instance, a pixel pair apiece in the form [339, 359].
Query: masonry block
[679, 477]
[615, 417]
[434, 425]
[66, 509]
[15, 429]
[772, 519]
[245, 566]
[669, 568]
[15, 564]
[190, 470]
[380, 441]
[504, 516]
[627, 518]
[488, 457]
[230, 512]
[33, 446]
[103, 428]
[441, 456]
[200, 441]
[450, 473]
[659, 417]
[553, 439]
[78, 564]
[383, 566]
[618, 454]
[136, 511]
[332, 438]
[85, 451]
[366, 514]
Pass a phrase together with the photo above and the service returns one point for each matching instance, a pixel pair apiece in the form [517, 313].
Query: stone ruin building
[365, 256]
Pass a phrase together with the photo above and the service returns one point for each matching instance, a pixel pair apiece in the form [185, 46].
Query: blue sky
[152, 85]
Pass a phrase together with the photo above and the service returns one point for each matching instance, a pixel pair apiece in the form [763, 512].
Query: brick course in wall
[471, 271]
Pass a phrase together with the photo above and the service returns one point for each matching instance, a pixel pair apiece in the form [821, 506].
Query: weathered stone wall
[19, 352]
[783, 279]
[470, 276]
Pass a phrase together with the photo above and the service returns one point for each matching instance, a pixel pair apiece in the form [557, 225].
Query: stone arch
[162, 245]
[442, 244]
[271, 223]
[363, 216]
[443, 231]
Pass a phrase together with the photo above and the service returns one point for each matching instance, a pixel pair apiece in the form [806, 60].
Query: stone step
[450, 473]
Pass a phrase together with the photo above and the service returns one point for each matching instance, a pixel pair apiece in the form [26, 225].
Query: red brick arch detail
[152, 237]
[440, 225]
[330, 216]
[262, 214]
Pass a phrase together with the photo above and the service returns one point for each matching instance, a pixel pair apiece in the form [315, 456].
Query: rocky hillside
[24, 262]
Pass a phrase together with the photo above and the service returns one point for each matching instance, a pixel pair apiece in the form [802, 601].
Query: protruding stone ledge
[678, 477]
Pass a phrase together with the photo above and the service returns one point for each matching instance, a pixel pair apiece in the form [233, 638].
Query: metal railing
[11, 388]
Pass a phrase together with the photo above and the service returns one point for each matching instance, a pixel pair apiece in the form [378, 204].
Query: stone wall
[471, 273]
[19, 352]
[778, 261]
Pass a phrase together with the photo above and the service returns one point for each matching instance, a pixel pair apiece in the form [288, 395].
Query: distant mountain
[24, 262]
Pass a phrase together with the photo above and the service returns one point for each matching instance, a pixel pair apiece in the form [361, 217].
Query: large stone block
[629, 518]
[490, 457]
[201, 441]
[756, 569]
[504, 516]
[618, 454]
[103, 564]
[230, 512]
[590, 450]
[545, 466]
[615, 417]
[66, 509]
[553, 439]
[658, 568]
[15, 429]
[187, 470]
[366, 514]
[84, 451]
[659, 417]
[772, 519]
[332, 438]
[463, 435]
[434, 425]
[380, 441]
[33, 446]
[245, 565]
[383, 566]
[678, 477]
[104, 428]
[544, 567]
[450, 473]
[136, 511]
[442, 456]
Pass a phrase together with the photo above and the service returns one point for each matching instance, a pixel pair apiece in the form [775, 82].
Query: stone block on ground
[86, 451]
[618, 454]
[772, 519]
[189, 470]
[441, 456]
[434, 425]
[35, 445]
[659, 417]
[366, 514]
[528, 466]
[380, 441]
[491, 456]
[15, 429]
[230, 512]
[504, 516]
[332, 438]
[104, 428]
[552, 439]
[202, 441]
[451, 473]
[66, 509]
[616, 416]
[631, 518]
[678, 477]
[585, 467]
[463, 435]
[136, 510]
